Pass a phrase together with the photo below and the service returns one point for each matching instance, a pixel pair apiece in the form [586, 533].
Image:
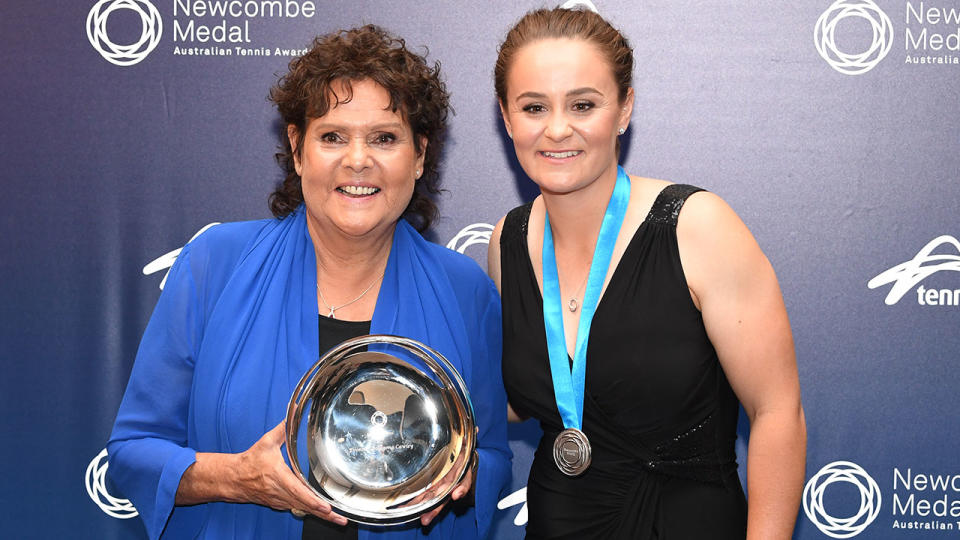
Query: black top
[658, 410]
[332, 333]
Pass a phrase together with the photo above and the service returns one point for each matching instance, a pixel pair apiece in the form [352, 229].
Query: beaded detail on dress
[691, 454]
[515, 224]
[666, 208]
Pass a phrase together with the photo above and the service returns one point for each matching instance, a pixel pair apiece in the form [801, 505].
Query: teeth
[570, 153]
[358, 190]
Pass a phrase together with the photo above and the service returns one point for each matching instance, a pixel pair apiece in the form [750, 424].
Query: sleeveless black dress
[658, 410]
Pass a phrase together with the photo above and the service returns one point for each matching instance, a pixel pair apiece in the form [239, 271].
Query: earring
[621, 131]
[418, 173]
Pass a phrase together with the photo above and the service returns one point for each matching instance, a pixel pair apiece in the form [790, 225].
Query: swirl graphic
[478, 233]
[124, 55]
[907, 274]
[165, 261]
[841, 527]
[518, 497]
[97, 490]
[859, 62]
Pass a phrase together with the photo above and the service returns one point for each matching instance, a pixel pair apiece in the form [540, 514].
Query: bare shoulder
[703, 208]
[493, 250]
[708, 221]
[717, 251]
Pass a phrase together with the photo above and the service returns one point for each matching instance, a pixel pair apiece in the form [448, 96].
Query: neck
[348, 263]
[575, 217]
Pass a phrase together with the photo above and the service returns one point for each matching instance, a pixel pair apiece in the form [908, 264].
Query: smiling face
[563, 112]
[358, 164]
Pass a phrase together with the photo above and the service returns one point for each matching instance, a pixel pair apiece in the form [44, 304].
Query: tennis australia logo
[873, 20]
[924, 264]
[124, 54]
[848, 525]
[517, 498]
[477, 233]
[165, 261]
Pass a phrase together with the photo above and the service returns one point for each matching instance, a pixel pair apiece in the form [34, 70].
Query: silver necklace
[572, 305]
[334, 308]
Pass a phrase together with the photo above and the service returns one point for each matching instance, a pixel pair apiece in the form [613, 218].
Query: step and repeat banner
[832, 127]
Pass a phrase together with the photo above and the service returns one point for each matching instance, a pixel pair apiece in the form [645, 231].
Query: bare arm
[258, 475]
[736, 289]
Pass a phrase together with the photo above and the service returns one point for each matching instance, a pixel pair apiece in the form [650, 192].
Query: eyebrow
[375, 127]
[574, 92]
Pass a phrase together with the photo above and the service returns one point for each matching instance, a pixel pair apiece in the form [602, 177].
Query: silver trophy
[389, 431]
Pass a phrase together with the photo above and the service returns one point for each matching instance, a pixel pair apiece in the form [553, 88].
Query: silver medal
[571, 452]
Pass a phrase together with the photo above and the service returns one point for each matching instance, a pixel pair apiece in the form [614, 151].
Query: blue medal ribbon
[568, 383]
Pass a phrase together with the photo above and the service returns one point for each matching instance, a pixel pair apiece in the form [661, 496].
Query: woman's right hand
[258, 475]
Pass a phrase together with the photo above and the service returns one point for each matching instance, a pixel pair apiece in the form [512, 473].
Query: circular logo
[124, 55]
[478, 233]
[95, 480]
[858, 62]
[841, 527]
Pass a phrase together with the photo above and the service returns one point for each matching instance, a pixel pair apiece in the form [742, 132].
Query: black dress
[658, 410]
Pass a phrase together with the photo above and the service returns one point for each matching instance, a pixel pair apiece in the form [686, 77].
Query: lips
[358, 191]
[560, 154]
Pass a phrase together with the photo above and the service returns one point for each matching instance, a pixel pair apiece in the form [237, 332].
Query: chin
[560, 183]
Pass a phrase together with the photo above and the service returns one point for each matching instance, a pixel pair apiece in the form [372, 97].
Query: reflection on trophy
[390, 431]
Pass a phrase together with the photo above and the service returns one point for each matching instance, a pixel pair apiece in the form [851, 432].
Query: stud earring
[621, 131]
[418, 173]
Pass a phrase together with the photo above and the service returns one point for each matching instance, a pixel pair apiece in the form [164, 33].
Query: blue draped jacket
[234, 330]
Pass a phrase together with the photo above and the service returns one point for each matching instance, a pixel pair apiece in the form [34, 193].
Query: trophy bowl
[389, 429]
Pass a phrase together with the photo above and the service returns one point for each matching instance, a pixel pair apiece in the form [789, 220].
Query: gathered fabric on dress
[658, 410]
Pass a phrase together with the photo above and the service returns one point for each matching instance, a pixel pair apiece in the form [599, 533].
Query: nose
[558, 126]
[358, 155]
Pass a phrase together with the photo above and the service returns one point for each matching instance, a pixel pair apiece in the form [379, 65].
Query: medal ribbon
[568, 384]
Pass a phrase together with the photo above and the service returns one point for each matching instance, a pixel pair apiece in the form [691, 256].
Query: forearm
[210, 478]
[775, 473]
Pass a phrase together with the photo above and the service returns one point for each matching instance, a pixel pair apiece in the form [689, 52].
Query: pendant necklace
[572, 305]
[334, 308]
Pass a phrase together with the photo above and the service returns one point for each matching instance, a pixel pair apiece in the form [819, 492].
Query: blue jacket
[234, 330]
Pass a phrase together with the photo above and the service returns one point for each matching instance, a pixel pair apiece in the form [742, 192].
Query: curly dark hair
[365, 53]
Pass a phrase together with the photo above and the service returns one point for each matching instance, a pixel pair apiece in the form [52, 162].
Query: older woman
[658, 311]
[197, 445]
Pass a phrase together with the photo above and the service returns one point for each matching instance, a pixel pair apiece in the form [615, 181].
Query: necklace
[572, 305]
[334, 308]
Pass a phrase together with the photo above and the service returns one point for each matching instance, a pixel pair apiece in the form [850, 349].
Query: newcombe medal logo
[126, 54]
[843, 526]
[870, 18]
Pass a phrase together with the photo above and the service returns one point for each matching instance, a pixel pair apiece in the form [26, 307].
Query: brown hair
[368, 52]
[562, 23]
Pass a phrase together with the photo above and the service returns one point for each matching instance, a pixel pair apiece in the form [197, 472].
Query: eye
[331, 137]
[534, 108]
[583, 106]
[384, 139]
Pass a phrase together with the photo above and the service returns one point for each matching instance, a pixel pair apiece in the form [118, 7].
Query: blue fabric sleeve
[490, 407]
[147, 449]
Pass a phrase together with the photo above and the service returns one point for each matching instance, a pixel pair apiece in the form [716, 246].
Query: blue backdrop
[830, 126]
